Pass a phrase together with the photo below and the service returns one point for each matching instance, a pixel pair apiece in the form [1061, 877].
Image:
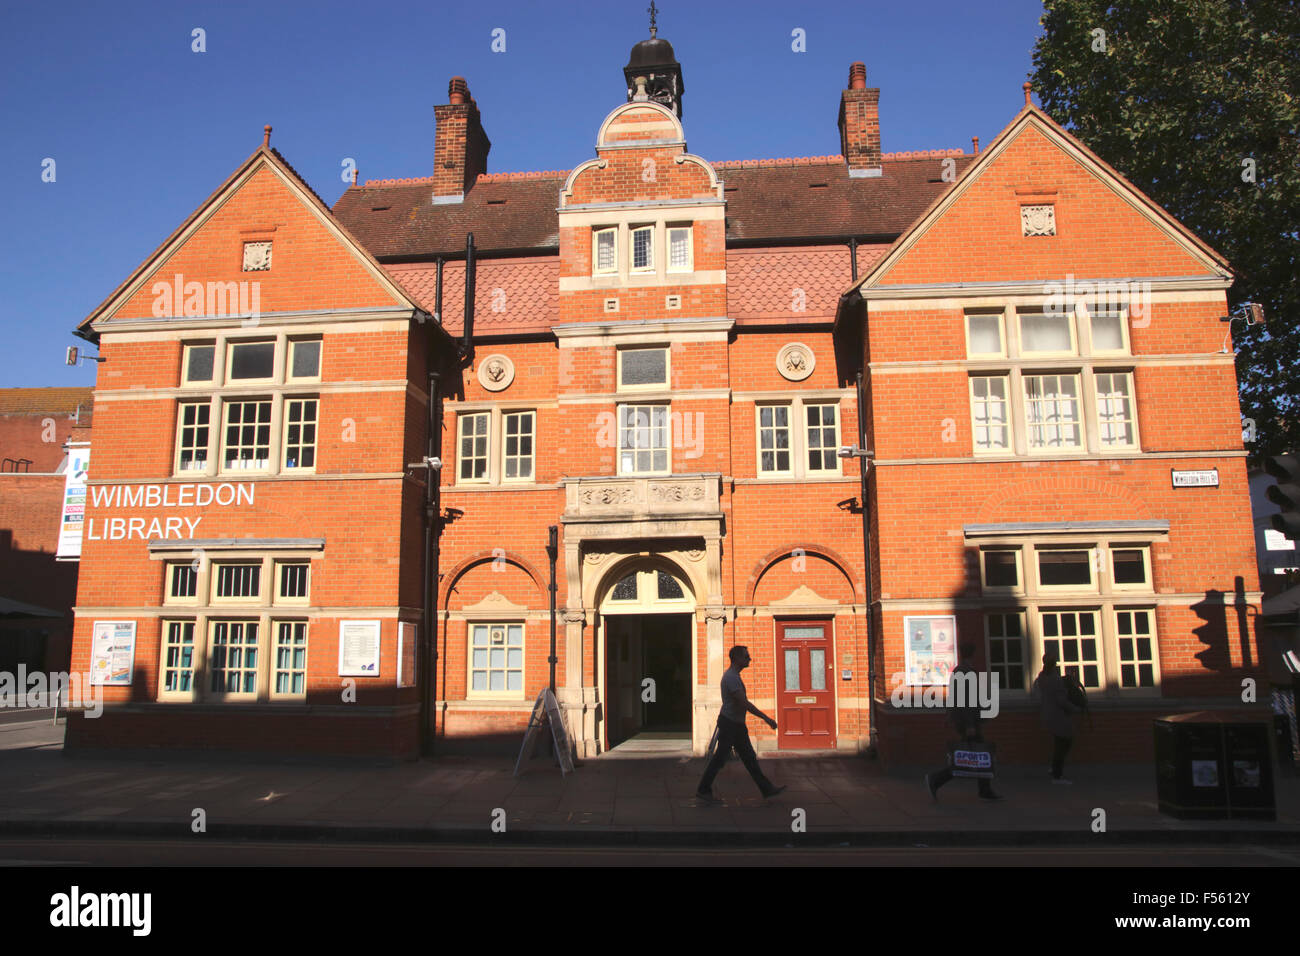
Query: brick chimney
[460, 147]
[860, 124]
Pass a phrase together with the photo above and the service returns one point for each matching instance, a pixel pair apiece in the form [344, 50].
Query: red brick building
[660, 355]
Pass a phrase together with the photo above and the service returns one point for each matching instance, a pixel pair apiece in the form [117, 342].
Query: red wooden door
[805, 686]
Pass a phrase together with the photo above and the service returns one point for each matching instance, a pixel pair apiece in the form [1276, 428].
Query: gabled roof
[264, 155]
[1031, 115]
[769, 201]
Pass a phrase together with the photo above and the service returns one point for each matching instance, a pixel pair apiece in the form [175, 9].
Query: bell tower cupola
[652, 71]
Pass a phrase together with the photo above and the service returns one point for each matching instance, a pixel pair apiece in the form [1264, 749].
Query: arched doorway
[646, 659]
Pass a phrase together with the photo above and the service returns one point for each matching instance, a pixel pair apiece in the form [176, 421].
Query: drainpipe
[853, 257]
[467, 332]
[432, 534]
[552, 551]
[864, 463]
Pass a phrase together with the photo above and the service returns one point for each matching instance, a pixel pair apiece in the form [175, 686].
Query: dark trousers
[732, 734]
[940, 777]
[1060, 747]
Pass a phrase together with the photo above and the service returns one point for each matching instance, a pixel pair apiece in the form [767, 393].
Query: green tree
[1197, 103]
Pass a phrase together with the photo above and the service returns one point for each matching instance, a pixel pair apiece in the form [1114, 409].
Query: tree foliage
[1178, 95]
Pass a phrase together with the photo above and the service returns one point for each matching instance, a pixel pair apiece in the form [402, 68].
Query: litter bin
[1215, 765]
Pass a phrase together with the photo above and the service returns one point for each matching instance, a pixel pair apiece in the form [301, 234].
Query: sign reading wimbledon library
[112, 653]
[358, 648]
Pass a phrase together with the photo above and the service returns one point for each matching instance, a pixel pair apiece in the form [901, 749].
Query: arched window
[645, 589]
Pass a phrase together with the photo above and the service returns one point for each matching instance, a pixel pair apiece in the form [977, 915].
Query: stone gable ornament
[496, 372]
[1038, 220]
[795, 362]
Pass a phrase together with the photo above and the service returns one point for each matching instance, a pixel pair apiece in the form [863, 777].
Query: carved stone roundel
[496, 372]
[795, 362]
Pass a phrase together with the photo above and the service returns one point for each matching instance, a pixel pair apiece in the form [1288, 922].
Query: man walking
[732, 731]
[1050, 688]
[965, 717]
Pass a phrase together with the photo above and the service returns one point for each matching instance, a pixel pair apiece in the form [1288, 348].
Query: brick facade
[662, 365]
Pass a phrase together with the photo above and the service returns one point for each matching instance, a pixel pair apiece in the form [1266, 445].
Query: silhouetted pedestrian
[732, 731]
[965, 719]
[1050, 688]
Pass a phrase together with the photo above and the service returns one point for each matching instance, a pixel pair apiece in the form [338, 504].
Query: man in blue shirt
[732, 731]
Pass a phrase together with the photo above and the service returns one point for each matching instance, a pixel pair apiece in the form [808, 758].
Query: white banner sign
[73, 519]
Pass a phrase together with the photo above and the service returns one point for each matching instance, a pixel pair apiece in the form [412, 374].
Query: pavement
[636, 799]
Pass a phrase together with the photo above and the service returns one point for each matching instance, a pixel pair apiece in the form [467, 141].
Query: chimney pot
[858, 76]
[975, 142]
[457, 90]
[266, 135]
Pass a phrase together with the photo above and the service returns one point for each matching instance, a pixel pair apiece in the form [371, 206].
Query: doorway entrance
[648, 677]
[805, 685]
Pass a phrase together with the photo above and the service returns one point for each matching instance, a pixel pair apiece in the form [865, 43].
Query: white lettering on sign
[1196, 479]
[226, 494]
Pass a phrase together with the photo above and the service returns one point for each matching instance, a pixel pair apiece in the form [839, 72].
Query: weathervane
[653, 11]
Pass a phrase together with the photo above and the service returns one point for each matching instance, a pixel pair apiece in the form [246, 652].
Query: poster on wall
[930, 645]
[73, 518]
[112, 653]
[406, 655]
[358, 648]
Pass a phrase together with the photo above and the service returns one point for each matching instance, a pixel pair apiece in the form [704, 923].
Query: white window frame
[1119, 662]
[1008, 403]
[1127, 375]
[170, 570]
[260, 465]
[690, 248]
[1071, 325]
[274, 658]
[1000, 317]
[186, 349]
[181, 446]
[195, 651]
[288, 423]
[258, 670]
[488, 694]
[1098, 637]
[241, 600]
[667, 447]
[464, 416]
[232, 344]
[1019, 586]
[649, 267]
[663, 386]
[1026, 647]
[292, 349]
[596, 234]
[1091, 560]
[799, 445]
[280, 598]
[1087, 316]
[495, 472]
[791, 441]
[806, 448]
[1080, 422]
[1143, 588]
[531, 457]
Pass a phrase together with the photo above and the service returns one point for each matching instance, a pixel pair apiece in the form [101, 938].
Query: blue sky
[141, 128]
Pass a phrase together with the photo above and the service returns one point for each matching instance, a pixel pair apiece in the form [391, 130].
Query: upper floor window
[644, 443]
[496, 445]
[250, 361]
[604, 256]
[798, 439]
[247, 440]
[304, 359]
[643, 241]
[198, 363]
[643, 368]
[984, 334]
[1047, 333]
[1053, 412]
[679, 249]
